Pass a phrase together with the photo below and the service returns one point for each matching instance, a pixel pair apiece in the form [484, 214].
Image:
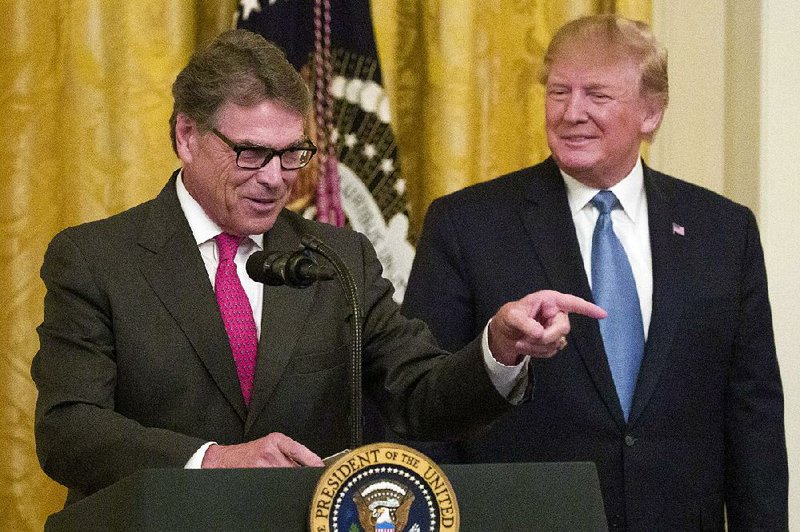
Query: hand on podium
[272, 450]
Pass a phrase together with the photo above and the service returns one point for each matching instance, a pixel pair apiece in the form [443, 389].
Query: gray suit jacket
[135, 370]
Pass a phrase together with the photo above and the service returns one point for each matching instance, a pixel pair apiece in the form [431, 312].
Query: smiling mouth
[262, 204]
[578, 140]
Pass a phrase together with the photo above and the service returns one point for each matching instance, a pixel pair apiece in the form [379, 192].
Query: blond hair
[632, 38]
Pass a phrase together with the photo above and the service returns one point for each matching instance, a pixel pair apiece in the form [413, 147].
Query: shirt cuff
[196, 461]
[510, 381]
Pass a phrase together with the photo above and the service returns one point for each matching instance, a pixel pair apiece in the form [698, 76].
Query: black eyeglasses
[255, 157]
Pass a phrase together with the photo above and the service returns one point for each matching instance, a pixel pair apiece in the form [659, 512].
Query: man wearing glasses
[157, 351]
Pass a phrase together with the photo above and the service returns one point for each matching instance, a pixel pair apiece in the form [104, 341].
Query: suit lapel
[547, 219]
[173, 267]
[668, 255]
[283, 318]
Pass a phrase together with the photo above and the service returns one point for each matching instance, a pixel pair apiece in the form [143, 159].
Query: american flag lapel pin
[678, 229]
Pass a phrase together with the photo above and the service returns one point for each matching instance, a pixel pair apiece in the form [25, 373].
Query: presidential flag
[356, 179]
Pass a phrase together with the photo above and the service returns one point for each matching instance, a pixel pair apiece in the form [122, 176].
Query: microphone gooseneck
[350, 288]
[299, 270]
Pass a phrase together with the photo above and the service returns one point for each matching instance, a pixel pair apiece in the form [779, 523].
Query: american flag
[331, 42]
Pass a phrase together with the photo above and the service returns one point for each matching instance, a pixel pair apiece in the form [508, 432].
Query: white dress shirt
[204, 231]
[631, 226]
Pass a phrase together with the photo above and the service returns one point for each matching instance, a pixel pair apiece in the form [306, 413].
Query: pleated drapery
[462, 77]
[84, 107]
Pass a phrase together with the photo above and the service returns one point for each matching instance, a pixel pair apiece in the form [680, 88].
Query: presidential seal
[383, 487]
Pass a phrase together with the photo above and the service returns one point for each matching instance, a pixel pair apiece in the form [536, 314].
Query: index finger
[577, 305]
[299, 453]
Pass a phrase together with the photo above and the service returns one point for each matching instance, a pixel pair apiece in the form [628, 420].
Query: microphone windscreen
[255, 266]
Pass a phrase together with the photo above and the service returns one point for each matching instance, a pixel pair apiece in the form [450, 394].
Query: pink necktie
[236, 312]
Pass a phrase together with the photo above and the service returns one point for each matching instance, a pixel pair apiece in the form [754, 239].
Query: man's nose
[271, 173]
[575, 110]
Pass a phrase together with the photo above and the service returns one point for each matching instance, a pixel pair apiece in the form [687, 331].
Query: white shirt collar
[203, 228]
[629, 191]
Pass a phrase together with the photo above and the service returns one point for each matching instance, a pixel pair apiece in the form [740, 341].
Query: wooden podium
[520, 496]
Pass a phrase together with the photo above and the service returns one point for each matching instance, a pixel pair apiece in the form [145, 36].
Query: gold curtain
[84, 103]
[462, 78]
[84, 106]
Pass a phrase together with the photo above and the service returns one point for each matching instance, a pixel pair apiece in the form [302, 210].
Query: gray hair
[241, 67]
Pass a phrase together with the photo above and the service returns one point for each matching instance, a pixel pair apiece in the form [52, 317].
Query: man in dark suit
[679, 403]
[157, 351]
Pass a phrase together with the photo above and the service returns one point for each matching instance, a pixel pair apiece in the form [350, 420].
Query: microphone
[297, 269]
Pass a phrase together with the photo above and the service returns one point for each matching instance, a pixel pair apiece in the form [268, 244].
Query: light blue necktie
[614, 289]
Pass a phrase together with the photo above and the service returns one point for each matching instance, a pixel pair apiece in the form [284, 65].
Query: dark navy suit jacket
[706, 425]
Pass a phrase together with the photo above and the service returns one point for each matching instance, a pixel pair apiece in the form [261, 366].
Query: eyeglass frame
[271, 152]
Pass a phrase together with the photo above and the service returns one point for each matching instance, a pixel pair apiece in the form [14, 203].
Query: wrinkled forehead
[269, 110]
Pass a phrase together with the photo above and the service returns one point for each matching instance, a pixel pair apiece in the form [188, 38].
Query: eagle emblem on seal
[383, 506]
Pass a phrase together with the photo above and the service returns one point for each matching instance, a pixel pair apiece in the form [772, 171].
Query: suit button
[616, 522]
[630, 441]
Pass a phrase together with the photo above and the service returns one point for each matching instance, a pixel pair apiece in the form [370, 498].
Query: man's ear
[654, 113]
[187, 136]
